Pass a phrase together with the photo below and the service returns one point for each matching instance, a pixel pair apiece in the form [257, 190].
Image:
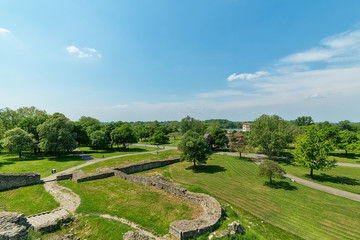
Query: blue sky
[148, 60]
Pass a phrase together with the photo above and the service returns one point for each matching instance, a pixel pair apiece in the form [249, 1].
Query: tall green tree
[219, 138]
[312, 149]
[18, 140]
[346, 140]
[56, 134]
[124, 135]
[99, 140]
[194, 148]
[190, 123]
[271, 133]
[304, 121]
[159, 137]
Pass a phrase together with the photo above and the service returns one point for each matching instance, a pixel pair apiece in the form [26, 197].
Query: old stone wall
[81, 176]
[13, 180]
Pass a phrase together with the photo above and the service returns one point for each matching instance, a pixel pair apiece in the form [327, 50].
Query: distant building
[246, 127]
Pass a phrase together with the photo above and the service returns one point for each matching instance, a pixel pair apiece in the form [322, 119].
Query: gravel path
[68, 199]
[154, 146]
[348, 164]
[257, 158]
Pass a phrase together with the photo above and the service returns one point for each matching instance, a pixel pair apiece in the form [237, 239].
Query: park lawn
[28, 200]
[172, 142]
[147, 206]
[305, 212]
[104, 153]
[41, 163]
[116, 162]
[340, 156]
[92, 228]
[344, 178]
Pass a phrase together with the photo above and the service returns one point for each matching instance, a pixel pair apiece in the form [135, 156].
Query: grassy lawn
[146, 206]
[344, 178]
[93, 227]
[116, 162]
[340, 156]
[172, 143]
[28, 200]
[41, 163]
[305, 212]
[114, 151]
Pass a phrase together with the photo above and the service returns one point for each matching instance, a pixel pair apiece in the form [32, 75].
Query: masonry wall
[13, 180]
[140, 167]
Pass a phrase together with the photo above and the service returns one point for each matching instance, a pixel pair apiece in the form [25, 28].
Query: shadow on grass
[335, 179]
[206, 169]
[112, 150]
[344, 155]
[281, 185]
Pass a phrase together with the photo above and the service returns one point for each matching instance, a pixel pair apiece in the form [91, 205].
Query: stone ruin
[13, 180]
[13, 226]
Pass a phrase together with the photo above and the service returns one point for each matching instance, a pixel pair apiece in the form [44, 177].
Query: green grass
[115, 151]
[28, 200]
[116, 162]
[146, 206]
[344, 178]
[92, 228]
[41, 163]
[305, 212]
[340, 156]
[172, 143]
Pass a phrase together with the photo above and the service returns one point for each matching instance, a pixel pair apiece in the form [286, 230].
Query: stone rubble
[13, 226]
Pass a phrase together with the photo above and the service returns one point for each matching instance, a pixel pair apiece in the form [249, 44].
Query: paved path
[154, 146]
[257, 158]
[348, 164]
[94, 160]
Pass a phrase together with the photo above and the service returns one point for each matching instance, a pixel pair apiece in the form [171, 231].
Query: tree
[312, 149]
[99, 140]
[82, 137]
[56, 134]
[159, 137]
[190, 123]
[140, 132]
[219, 138]
[346, 125]
[346, 140]
[304, 121]
[124, 135]
[238, 143]
[174, 135]
[270, 133]
[270, 169]
[18, 140]
[194, 148]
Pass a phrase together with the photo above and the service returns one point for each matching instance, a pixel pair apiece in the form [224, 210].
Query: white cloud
[220, 93]
[246, 76]
[4, 31]
[84, 53]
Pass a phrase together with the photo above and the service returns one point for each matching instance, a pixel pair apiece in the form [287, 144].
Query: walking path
[257, 158]
[348, 164]
[68, 199]
[154, 146]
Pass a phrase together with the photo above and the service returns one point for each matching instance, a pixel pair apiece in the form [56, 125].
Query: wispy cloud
[120, 106]
[84, 53]
[220, 93]
[246, 76]
[4, 31]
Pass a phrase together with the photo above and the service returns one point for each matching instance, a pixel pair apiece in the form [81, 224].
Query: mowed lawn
[340, 156]
[117, 162]
[344, 178]
[104, 153]
[41, 163]
[300, 210]
[144, 205]
[28, 200]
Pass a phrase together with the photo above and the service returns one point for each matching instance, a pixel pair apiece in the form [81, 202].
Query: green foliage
[346, 140]
[123, 135]
[304, 121]
[99, 140]
[159, 137]
[346, 125]
[270, 169]
[270, 133]
[82, 137]
[190, 123]
[225, 124]
[219, 139]
[239, 144]
[17, 140]
[312, 149]
[56, 134]
[194, 148]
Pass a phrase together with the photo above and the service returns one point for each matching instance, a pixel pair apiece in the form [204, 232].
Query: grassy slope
[42, 163]
[149, 207]
[28, 200]
[115, 151]
[344, 178]
[305, 212]
[116, 162]
[93, 228]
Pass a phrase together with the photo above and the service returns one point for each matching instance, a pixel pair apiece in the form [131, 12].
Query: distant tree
[56, 134]
[325, 124]
[174, 135]
[190, 123]
[18, 140]
[346, 140]
[312, 149]
[194, 148]
[82, 137]
[270, 133]
[108, 128]
[219, 138]
[99, 140]
[346, 125]
[304, 121]
[159, 137]
[125, 135]
[270, 169]
[239, 144]
[140, 132]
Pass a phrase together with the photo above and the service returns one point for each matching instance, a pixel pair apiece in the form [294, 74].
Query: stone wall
[81, 176]
[13, 226]
[13, 180]
[184, 229]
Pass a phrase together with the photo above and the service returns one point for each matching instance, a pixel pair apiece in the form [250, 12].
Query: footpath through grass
[28, 200]
[104, 153]
[305, 212]
[117, 162]
[146, 206]
[41, 163]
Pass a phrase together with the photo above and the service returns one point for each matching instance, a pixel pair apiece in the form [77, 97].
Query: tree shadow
[344, 155]
[281, 185]
[206, 169]
[335, 179]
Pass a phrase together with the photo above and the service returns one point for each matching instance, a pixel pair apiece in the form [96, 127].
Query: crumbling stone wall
[13, 180]
[13, 226]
